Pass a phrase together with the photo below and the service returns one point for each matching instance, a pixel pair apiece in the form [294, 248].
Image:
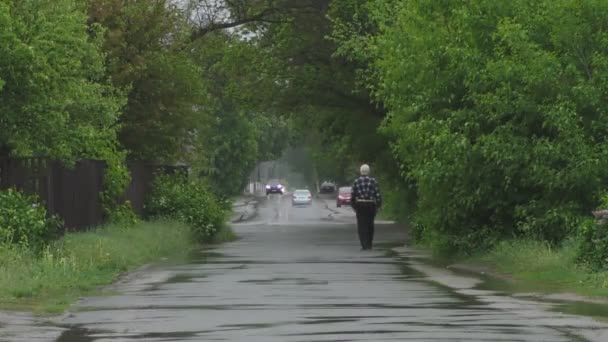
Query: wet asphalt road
[297, 274]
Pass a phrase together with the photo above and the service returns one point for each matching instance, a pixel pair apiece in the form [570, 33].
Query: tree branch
[238, 14]
[214, 26]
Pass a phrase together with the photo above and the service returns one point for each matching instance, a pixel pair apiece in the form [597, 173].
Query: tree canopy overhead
[488, 116]
[485, 119]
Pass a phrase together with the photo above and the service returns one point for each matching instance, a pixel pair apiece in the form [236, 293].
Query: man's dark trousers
[366, 212]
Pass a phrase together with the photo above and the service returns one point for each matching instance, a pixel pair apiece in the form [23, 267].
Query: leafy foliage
[593, 241]
[53, 103]
[190, 202]
[593, 244]
[495, 111]
[243, 128]
[24, 222]
[146, 43]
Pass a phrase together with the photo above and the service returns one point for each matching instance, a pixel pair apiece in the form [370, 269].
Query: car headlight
[267, 186]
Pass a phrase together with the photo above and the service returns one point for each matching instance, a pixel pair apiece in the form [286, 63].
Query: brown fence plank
[76, 193]
[142, 177]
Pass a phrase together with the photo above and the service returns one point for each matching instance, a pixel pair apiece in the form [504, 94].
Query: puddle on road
[77, 334]
[331, 320]
[183, 278]
[249, 326]
[292, 281]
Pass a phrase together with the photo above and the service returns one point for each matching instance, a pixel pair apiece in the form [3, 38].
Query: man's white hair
[364, 170]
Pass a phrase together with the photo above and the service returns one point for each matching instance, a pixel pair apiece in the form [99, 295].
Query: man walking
[366, 201]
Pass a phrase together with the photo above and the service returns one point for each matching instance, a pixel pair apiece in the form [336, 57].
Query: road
[297, 274]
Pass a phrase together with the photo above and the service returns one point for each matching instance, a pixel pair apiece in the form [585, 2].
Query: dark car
[327, 188]
[344, 196]
[274, 187]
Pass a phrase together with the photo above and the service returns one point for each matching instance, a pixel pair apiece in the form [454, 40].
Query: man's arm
[355, 192]
[377, 195]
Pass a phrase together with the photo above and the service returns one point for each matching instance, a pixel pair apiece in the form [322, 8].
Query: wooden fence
[70, 193]
[73, 193]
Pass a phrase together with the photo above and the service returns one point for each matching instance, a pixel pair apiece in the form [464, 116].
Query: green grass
[538, 267]
[79, 263]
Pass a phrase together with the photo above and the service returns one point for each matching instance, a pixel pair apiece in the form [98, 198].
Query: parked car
[301, 197]
[274, 187]
[344, 196]
[327, 188]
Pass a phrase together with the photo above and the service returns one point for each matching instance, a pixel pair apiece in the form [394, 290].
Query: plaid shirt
[366, 188]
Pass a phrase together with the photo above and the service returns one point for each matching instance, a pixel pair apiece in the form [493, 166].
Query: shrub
[24, 222]
[593, 242]
[190, 202]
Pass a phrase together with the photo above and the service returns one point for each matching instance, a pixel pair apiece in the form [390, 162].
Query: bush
[593, 242]
[24, 222]
[593, 245]
[190, 202]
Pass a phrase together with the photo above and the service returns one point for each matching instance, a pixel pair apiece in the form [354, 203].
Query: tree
[213, 15]
[147, 46]
[53, 103]
[243, 130]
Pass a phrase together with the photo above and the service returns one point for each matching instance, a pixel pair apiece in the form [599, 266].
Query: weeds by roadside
[538, 267]
[79, 263]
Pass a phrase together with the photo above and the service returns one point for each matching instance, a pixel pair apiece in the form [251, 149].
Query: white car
[301, 197]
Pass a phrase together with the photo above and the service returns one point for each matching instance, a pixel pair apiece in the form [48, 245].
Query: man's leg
[371, 229]
[367, 212]
[360, 224]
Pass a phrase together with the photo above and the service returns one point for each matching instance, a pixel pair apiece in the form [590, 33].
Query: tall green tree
[54, 100]
[148, 56]
[244, 129]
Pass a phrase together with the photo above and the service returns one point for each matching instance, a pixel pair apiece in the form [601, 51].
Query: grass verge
[537, 267]
[79, 263]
